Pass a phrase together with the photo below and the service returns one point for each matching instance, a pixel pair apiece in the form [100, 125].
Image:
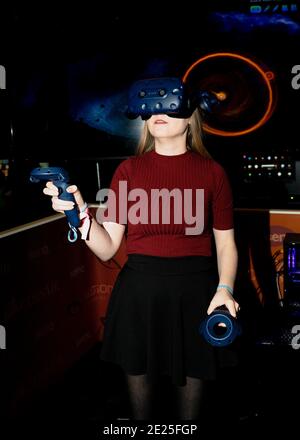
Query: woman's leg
[140, 395]
[189, 398]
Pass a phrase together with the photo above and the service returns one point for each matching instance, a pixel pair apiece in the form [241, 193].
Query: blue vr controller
[60, 178]
[168, 96]
[216, 334]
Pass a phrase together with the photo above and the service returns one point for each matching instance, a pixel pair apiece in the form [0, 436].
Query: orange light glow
[221, 96]
[266, 76]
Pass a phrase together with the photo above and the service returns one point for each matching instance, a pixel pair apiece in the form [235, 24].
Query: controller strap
[85, 217]
[72, 234]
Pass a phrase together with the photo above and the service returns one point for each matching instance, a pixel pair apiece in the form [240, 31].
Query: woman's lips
[160, 121]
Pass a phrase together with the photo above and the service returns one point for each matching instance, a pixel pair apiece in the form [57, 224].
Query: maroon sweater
[165, 224]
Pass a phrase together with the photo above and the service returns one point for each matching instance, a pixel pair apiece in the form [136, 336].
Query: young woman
[178, 205]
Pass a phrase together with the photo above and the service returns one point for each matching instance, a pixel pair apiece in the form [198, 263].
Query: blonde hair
[194, 137]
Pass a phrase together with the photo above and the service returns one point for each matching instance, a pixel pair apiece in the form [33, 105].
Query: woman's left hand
[223, 298]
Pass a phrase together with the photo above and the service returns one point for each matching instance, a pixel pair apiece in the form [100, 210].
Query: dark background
[69, 67]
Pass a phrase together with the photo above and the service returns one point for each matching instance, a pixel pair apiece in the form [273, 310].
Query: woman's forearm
[100, 241]
[227, 258]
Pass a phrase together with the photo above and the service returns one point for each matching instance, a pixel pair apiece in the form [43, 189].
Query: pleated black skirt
[153, 318]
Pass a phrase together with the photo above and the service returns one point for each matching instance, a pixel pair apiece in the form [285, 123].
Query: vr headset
[168, 96]
[154, 96]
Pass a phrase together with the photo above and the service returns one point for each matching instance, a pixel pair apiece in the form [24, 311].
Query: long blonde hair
[194, 137]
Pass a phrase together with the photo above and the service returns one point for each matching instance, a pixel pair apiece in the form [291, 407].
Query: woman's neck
[169, 148]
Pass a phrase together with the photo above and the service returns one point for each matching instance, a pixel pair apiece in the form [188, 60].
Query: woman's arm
[227, 259]
[104, 241]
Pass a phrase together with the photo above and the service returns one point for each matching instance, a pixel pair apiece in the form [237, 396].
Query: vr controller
[220, 335]
[167, 95]
[60, 178]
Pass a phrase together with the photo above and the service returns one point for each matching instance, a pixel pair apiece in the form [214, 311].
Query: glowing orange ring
[267, 76]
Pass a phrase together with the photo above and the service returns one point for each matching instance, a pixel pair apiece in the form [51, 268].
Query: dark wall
[69, 68]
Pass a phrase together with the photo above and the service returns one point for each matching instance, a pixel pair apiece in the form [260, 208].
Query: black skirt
[153, 318]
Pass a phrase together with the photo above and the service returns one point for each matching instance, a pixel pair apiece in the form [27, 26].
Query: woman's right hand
[63, 205]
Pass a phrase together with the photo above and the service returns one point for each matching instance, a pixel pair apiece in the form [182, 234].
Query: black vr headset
[168, 96]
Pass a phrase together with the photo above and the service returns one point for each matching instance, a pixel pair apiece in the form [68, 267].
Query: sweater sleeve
[222, 204]
[117, 197]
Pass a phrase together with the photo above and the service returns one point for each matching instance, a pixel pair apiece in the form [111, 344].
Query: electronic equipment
[220, 328]
[272, 7]
[60, 178]
[159, 96]
[268, 165]
[291, 251]
[170, 96]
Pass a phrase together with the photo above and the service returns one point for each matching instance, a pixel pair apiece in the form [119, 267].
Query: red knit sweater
[157, 225]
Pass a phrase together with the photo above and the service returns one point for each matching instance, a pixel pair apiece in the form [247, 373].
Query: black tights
[188, 397]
